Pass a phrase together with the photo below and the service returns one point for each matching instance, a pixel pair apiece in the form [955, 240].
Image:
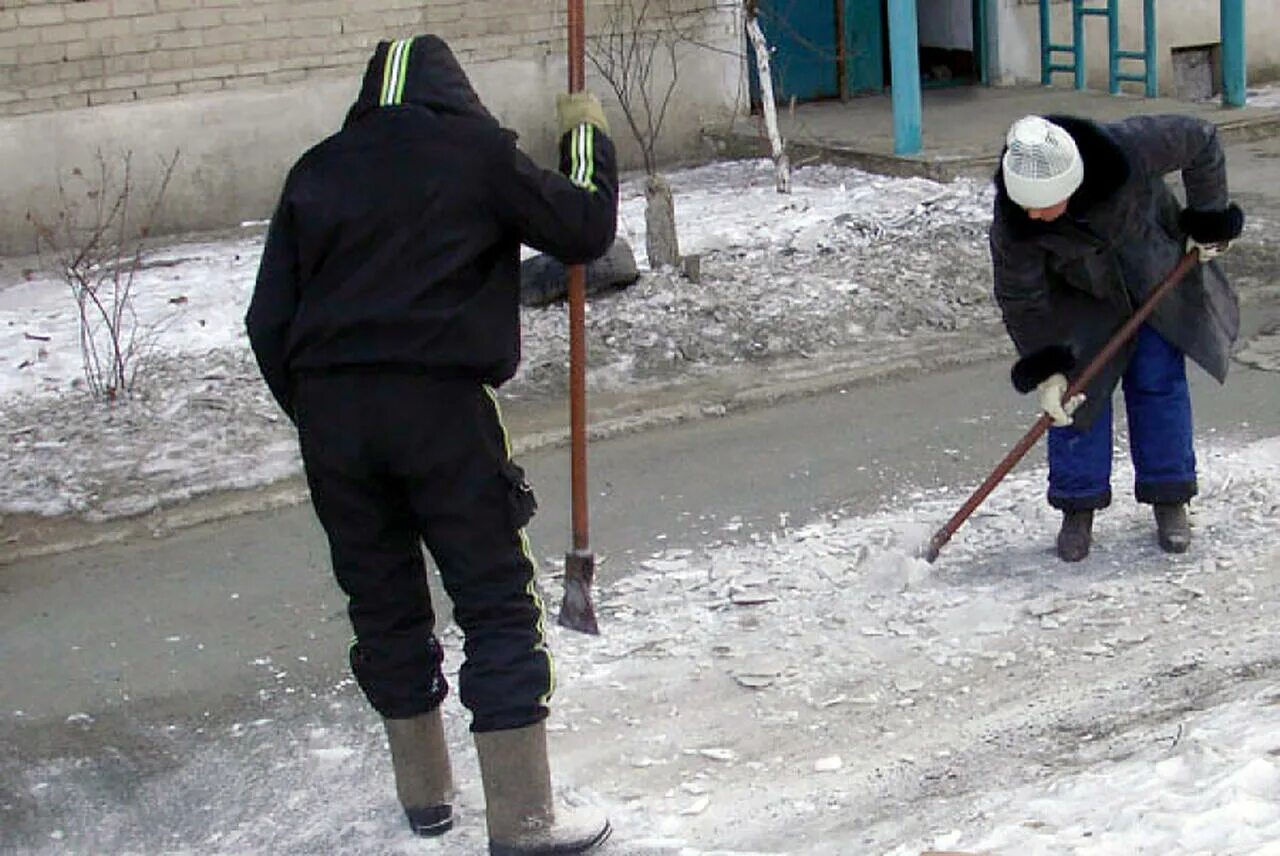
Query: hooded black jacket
[396, 242]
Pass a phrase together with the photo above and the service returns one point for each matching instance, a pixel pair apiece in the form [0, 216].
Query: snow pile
[814, 693]
[1263, 96]
[851, 268]
[849, 262]
[833, 674]
[1209, 786]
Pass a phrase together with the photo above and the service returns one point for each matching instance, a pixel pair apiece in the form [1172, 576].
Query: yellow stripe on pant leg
[531, 589]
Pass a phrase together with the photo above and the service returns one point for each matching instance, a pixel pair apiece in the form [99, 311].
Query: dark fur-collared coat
[1066, 286]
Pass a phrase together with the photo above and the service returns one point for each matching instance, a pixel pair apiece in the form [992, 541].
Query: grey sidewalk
[962, 126]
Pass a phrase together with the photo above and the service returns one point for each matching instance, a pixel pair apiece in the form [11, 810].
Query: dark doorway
[951, 41]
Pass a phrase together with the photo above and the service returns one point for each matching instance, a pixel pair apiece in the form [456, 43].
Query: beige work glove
[1207, 252]
[1051, 390]
[574, 108]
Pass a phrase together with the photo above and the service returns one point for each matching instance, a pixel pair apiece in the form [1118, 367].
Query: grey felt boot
[1076, 535]
[1172, 529]
[424, 779]
[523, 819]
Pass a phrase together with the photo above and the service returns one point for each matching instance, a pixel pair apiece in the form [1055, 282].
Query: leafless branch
[98, 247]
[625, 50]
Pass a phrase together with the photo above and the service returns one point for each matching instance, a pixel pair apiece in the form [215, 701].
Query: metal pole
[1149, 47]
[904, 54]
[842, 52]
[1233, 53]
[1077, 40]
[1046, 52]
[577, 317]
[1113, 46]
[576, 610]
[981, 44]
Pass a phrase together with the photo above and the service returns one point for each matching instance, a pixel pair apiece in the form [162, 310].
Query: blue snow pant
[1158, 407]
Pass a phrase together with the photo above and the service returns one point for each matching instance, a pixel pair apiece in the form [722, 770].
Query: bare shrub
[625, 51]
[96, 242]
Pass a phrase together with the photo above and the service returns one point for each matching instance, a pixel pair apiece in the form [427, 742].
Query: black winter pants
[396, 460]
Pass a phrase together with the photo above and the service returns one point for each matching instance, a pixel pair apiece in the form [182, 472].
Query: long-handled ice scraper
[576, 609]
[1114, 344]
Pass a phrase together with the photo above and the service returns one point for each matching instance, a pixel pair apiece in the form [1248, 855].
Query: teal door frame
[864, 44]
[981, 50]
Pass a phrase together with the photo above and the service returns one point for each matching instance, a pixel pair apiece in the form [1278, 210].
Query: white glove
[1205, 252]
[1051, 390]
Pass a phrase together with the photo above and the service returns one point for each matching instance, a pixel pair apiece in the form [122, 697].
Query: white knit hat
[1041, 165]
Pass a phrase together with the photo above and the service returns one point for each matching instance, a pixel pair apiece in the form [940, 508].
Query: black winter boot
[1076, 535]
[523, 819]
[424, 779]
[1172, 529]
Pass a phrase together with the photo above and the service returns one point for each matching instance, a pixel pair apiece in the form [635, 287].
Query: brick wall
[58, 54]
[242, 87]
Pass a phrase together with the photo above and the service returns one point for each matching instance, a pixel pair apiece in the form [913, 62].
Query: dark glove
[1037, 367]
[1210, 233]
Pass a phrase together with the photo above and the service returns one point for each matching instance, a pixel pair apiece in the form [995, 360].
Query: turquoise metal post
[981, 45]
[1233, 60]
[1113, 46]
[1046, 46]
[1149, 47]
[904, 54]
[1077, 39]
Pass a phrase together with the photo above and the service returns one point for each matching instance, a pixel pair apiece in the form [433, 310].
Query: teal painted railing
[1116, 74]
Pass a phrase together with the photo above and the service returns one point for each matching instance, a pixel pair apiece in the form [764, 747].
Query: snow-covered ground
[848, 261]
[1263, 96]
[817, 692]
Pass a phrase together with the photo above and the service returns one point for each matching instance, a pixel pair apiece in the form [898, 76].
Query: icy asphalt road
[128, 667]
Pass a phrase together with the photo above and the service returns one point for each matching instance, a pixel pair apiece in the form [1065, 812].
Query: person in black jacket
[1084, 229]
[385, 314]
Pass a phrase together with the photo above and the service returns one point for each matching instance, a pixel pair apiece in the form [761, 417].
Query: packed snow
[1263, 96]
[830, 639]
[820, 691]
